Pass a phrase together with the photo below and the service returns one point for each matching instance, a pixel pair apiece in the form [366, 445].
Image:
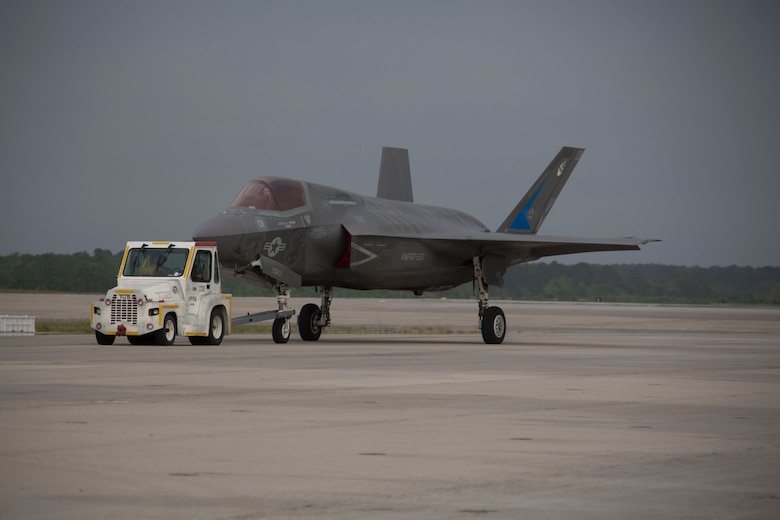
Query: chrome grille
[124, 308]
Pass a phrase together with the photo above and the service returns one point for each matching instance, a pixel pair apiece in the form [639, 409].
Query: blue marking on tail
[521, 222]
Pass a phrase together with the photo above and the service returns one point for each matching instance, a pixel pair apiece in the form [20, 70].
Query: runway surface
[586, 411]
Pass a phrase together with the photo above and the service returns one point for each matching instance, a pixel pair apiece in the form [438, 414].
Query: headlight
[154, 312]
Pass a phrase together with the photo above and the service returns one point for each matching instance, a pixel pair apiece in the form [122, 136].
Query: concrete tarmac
[590, 411]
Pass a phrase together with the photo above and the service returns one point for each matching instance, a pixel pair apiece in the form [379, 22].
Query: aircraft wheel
[216, 328]
[309, 322]
[104, 339]
[281, 330]
[493, 325]
[167, 334]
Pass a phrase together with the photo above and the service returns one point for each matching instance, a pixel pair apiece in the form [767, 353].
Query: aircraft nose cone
[216, 227]
[227, 231]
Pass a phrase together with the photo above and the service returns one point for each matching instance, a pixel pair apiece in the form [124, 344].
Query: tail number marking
[412, 257]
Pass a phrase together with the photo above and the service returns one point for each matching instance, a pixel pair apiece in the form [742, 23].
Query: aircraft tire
[104, 339]
[167, 334]
[308, 325]
[281, 330]
[216, 327]
[493, 326]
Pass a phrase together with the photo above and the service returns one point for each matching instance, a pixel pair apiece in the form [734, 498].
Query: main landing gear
[491, 319]
[312, 319]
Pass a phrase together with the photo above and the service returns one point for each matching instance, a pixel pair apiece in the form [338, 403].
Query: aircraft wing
[502, 250]
[525, 248]
[518, 248]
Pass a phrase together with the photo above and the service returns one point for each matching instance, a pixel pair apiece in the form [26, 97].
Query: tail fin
[528, 215]
[395, 178]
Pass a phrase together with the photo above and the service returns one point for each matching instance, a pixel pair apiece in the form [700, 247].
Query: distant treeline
[655, 283]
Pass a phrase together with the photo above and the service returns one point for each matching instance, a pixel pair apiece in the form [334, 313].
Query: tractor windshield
[146, 261]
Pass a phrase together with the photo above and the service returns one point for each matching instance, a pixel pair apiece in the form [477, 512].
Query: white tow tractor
[165, 289]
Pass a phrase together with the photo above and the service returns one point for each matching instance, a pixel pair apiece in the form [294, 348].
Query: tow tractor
[169, 289]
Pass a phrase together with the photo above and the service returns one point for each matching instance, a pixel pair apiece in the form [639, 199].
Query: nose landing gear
[280, 330]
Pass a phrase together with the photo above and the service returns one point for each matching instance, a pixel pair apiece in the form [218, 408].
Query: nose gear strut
[281, 326]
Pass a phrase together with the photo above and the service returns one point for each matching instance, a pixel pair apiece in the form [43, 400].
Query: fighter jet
[284, 233]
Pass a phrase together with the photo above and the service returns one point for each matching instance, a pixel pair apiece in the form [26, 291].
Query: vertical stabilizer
[530, 212]
[395, 177]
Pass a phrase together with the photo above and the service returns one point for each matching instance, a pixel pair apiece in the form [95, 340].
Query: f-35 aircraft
[286, 233]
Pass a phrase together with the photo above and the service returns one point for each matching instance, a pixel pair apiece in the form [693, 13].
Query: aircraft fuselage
[327, 236]
[285, 233]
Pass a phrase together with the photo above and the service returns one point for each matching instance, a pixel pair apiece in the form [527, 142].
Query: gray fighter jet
[286, 233]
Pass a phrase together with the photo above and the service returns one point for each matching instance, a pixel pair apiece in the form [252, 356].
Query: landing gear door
[202, 280]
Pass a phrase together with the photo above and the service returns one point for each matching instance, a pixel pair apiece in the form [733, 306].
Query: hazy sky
[137, 120]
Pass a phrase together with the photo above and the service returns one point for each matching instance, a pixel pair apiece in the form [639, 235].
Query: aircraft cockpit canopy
[271, 194]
